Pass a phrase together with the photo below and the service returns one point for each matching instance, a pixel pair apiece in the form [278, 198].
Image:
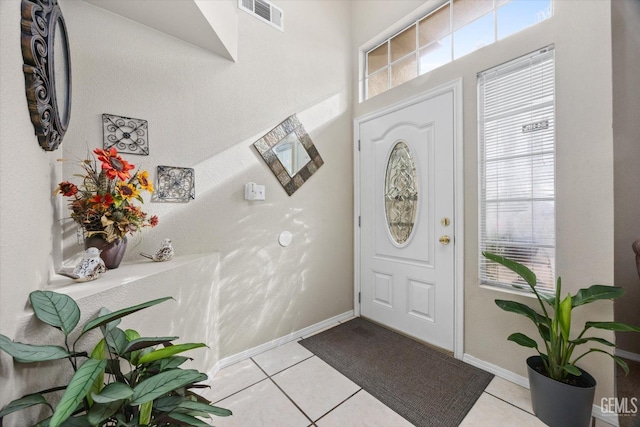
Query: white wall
[204, 112]
[581, 31]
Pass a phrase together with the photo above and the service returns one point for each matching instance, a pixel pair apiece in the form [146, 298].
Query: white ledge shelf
[126, 274]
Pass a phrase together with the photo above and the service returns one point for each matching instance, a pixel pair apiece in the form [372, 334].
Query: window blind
[516, 120]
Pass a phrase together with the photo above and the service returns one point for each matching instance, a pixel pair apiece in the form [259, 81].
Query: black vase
[558, 404]
[112, 252]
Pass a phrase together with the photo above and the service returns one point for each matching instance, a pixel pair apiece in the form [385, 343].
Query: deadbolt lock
[445, 240]
[445, 221]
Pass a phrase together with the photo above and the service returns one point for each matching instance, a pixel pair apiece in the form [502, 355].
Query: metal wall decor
[47, 70]
[127, 135]
[401, 193]
[174, 184]
[290, 154]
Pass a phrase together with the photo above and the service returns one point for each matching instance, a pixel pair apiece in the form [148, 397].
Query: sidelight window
[516, 131]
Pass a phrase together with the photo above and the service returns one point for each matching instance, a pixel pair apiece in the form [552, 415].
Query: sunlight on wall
[227, 165]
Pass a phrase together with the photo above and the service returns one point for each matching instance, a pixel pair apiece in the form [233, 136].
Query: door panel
[409, 285]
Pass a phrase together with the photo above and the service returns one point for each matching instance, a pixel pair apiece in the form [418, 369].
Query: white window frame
[414, 20]
[513, 247]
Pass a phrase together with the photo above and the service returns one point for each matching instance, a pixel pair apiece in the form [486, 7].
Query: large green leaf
[618, 360]
[57, 310]
[102, 411]
[564, 317]
[596, 292]
[523, 340]
[145, 342]
[23, 403]
[596, 339]
[525, 310]
[168, 363]
[612, 326]
[103, 312]
[103, 320]
[190, 405]
[27, 353]
[169, 403]
[131, 356]
[521, 270]
[145, 413]
[188, 420]
[116, 340]
[168, 351]
[164, 382]
[99, 352]
[572, 370]
[77, 421]
[112, 392]
[77, 389]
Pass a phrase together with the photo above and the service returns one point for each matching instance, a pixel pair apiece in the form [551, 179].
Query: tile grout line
[506, 401]
[241, 390]
[267, 376]
[313, 423]
[339, 404]
[282, 391]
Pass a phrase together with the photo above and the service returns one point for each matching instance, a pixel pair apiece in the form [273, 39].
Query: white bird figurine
[91, 267]
[165, 253]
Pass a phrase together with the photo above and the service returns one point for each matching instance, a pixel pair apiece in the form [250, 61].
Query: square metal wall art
[125, 134]
[174, 184]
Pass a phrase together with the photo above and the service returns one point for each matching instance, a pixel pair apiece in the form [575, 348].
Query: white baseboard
[496, 370]
[239, 357]
[628, 355]
[524, 382]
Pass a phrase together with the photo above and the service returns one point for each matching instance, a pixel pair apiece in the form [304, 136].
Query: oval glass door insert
[401, 193]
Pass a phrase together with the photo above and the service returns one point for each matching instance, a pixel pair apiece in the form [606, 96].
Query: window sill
[127, 273]
[508, 291]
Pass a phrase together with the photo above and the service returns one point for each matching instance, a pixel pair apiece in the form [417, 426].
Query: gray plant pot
[558, 404]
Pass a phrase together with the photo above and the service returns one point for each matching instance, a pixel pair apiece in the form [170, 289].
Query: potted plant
[104, 204]
[561, 393]
[154, 391]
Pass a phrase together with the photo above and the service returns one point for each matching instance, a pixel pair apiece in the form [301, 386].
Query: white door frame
[456, 88]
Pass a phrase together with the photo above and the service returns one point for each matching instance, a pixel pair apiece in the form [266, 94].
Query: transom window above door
[454, 29]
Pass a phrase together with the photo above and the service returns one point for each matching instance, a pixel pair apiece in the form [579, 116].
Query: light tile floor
[290, 387]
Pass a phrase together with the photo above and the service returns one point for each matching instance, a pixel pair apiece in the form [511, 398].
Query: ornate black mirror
[290, 154]
[47, 70]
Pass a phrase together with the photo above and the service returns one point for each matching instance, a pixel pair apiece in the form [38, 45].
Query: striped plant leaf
[168, 351]
[144, 342]
[107, 318]
[102, 411]
[188, 420]
[28, 353]
[112, 392]
[158, 385]
[57, 310]
[77, 389]
[24, 402]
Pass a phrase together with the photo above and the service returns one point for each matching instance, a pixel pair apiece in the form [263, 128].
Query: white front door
[407, 211]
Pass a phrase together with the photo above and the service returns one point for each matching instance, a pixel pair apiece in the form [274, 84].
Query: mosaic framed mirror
[290, 154]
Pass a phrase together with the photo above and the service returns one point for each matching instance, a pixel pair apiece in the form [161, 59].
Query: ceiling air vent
[264, 11]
